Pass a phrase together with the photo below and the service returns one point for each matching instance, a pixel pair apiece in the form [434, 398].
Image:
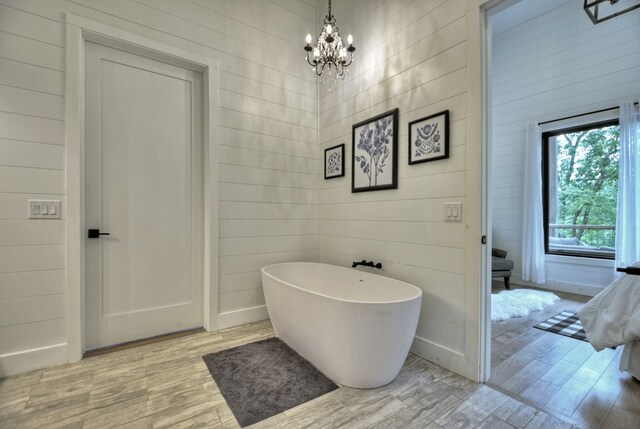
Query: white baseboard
[242, 317]
[577, 288]
[443, 356]
[580, 289]
[29, 360]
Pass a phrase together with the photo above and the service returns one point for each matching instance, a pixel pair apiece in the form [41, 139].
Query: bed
[612, 318]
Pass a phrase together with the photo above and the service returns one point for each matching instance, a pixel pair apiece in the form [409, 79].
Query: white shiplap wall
[267, 148]
[551, 66]
[410, 55]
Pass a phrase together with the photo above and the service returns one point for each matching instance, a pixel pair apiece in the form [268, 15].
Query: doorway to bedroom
[543, 73]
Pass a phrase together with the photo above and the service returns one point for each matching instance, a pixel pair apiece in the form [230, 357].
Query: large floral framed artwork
[374, 154]
[429, 138]
[334, 162]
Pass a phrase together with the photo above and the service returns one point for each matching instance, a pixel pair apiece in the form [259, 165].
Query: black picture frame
[361, 159]
[329, 164]
[422, 154]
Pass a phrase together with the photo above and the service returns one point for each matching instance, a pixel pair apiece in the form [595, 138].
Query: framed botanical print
[334, 162]
[429, 138]
[374, 155]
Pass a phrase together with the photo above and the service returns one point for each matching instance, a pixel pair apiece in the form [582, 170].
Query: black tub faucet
[366, 264]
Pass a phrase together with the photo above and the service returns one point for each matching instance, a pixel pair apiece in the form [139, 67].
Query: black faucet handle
[366, 264]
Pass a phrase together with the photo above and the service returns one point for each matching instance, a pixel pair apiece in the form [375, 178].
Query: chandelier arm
[312, 64]
[319, 70]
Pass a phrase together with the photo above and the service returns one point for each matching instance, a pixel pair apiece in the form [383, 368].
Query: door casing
[78, 31]
[481, 70]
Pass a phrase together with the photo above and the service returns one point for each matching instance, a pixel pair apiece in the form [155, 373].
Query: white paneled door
[144, 187]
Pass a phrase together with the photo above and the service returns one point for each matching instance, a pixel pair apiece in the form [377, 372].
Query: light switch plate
[38, 208]
[453, 212]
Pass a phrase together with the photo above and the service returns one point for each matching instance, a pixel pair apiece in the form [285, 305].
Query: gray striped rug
[565, 323]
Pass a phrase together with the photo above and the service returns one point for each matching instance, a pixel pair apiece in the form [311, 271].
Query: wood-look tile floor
[562, 375]
[167, 385]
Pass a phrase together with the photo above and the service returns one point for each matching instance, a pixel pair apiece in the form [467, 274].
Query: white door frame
[478, 296]
[78, 31]
[479, 80]
[485, 203]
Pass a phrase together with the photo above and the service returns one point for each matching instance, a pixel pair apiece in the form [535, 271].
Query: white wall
[551, 66]
[410, 55]
[267, 148]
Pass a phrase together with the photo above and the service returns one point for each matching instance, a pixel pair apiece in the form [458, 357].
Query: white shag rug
[519, 303]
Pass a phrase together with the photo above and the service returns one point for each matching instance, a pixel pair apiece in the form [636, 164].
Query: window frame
[545, 185]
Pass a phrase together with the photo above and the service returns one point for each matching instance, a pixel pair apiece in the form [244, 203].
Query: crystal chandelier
[330, 54]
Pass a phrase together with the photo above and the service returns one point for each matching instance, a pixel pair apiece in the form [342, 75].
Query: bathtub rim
[400, 301]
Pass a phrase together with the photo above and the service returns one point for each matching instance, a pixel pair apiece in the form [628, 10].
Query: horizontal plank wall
[410, 55]
[267, 140]
[548, 67]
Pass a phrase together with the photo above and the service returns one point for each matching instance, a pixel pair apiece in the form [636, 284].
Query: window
[580, 189]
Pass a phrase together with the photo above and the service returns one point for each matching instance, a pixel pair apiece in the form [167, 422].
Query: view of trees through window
[582, 190]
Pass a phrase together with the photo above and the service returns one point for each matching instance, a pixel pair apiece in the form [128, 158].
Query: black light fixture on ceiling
[330, 55]
[602, 10]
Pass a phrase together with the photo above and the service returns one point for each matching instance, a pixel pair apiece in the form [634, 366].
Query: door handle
[95, 233]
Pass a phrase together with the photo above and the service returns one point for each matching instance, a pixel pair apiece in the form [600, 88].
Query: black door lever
[95, 233]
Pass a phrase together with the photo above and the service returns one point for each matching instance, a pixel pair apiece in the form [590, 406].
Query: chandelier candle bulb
[349, 39]
[308, 39]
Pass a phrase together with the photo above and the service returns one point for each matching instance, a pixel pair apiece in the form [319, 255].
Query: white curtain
[532, 228]
[628, 221]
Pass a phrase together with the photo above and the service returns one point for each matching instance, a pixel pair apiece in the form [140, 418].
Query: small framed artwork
[374, 159]
[429, 138]
[334, 162]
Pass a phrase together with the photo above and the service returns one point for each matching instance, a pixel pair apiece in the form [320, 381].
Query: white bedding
[612, 318]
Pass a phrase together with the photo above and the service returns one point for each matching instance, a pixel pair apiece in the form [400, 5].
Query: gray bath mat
[261, 379]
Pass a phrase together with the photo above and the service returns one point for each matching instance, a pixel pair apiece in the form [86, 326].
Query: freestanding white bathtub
[355, 327]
